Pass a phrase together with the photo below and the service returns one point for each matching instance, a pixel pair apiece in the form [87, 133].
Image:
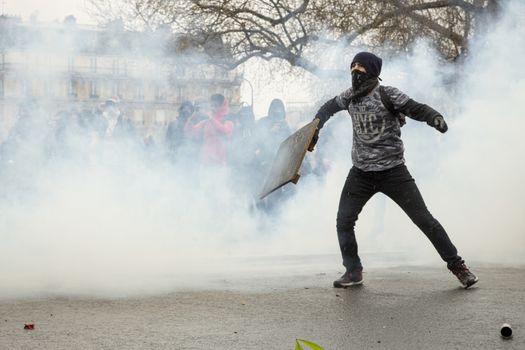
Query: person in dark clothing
[125, 129]
[271, 131]
[241, 152]
[242, 145]
[379, 165]
[244, 123]
[175, 136]
[193, 141]
[66, 129]
[22, 132]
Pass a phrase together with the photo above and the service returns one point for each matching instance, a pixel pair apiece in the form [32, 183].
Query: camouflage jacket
[377, 143]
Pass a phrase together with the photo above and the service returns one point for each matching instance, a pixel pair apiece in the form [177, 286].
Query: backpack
[387, 102]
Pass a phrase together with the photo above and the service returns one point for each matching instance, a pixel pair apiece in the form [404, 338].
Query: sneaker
[350, 278]
[464, 275]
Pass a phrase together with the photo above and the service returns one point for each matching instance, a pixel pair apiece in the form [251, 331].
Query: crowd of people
[210, 132]
[208, 140]
[206, 133]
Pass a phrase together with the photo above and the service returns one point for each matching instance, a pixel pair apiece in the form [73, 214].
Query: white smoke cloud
[113, 219]
[470, 177]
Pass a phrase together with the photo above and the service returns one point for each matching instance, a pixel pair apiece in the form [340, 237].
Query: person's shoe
[464, 275]
[350, 278]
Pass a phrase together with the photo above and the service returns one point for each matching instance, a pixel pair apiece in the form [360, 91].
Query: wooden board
[287, 162]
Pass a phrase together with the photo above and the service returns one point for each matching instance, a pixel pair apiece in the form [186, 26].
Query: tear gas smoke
[470, 176]
[110, 217]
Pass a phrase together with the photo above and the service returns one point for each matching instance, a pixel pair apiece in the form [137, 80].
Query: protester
[379, 164]
[272, 130]
[111, 113]
[175, 135]
[242, 155]
[214, 132]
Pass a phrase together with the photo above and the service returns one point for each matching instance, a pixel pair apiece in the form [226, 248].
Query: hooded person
[29, 132]
[379, 164]
[175, 135]
[242, 153]
[271, 131]
[274, 125]
[214, 131]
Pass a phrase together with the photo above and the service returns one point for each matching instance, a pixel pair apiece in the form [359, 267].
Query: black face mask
[277, 114]
[358, 78]
[362, 84]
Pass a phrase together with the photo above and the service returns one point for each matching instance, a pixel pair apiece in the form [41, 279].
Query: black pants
[398, 184]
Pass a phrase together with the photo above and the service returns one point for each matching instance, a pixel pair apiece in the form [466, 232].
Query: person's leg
[357, 190]
[399, 185]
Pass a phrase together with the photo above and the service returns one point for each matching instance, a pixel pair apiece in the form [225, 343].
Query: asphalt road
[397, 308]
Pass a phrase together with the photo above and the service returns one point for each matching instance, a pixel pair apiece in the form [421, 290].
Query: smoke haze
[114, 219]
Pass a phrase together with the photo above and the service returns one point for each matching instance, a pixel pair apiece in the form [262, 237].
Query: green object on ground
[312, 345]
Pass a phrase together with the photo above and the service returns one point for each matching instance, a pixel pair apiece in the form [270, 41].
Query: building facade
[66, 65]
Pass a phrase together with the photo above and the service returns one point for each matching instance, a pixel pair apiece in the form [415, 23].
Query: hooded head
[371, 62]
[186, 109]
[246, 116]
[276, 110]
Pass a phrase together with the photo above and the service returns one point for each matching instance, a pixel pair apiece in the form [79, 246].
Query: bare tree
[234, 31]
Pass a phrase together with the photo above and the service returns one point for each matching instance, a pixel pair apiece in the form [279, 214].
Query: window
[115, 67]
[159, 93]
[115, 89]
[119, 67]
[138, 116]
[160, 117]
[71, 63]
[93, 89]
[93, 64]
[139, 92]
[23, 87]
[46, 88]
[71, 88]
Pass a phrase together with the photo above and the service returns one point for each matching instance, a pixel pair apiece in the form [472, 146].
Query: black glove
[315, 138]
[439, 124]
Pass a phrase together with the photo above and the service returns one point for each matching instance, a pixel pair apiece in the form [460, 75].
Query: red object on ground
[29, 326]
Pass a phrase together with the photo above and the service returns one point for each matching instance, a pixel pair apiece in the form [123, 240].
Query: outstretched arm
[422, 112]
[324, 113]
[327, 110]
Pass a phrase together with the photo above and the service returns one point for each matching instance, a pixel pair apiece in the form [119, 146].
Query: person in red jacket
[214, 132]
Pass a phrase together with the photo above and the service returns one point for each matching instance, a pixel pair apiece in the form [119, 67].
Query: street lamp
[251, 89]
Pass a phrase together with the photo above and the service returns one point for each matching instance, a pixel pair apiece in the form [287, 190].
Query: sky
[47, 11]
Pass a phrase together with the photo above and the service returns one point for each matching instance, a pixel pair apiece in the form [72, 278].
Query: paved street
[397, 308]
